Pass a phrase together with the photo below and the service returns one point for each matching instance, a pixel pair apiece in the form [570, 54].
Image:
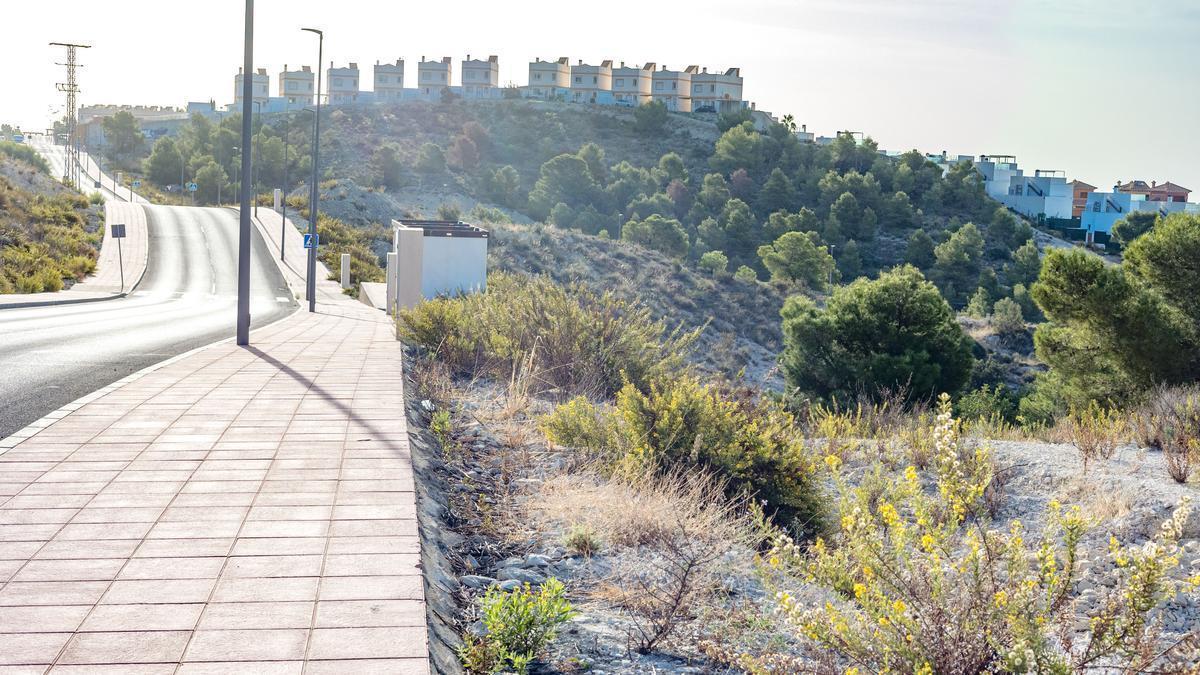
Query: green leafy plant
[518, 625]
[676, 424]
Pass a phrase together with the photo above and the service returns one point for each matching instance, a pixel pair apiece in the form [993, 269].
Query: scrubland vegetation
[876, 533]
[49, 236]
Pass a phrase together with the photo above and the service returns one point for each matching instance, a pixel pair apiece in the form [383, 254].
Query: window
[594, 79]
[537, 76]
[1096, 207]
[578, 80]
[620, 82]
[712, 88]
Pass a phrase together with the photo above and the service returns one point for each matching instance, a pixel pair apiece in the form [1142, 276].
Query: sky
[1104, 90]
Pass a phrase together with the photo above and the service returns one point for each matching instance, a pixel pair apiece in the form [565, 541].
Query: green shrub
[582, 342]
[518, 624]
[754, 445]
[714, 262]
[874, 335]
[746, 274]
[25, 154]
[991, 403]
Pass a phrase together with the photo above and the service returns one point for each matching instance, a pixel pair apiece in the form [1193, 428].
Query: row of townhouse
[693, 89]
[1049, 195]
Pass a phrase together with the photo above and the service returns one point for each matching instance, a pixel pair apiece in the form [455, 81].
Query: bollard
[345, 270]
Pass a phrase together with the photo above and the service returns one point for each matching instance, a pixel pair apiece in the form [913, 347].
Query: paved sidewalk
[106, 282]
[232, 510]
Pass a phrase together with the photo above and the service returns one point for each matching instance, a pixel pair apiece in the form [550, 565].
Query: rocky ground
[510, 511]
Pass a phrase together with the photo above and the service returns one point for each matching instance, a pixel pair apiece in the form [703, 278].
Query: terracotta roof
[1081, 184]
[1169, 187]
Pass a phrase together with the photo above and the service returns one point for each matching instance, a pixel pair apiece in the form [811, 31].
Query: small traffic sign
[118, 230]
[312, 240]
[96, 184]
[137, 183]
[192, 187]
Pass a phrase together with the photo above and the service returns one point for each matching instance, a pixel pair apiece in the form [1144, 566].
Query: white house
[389, 81]
[260, 83]
[631, 85]
[717, 92]
[998, 172]
[480, 79]
[433, 77]
[674, 88]
[1047, 194]
[549, 79]
[591, 84]
[1104, 209]
[296, 86]
[342, 83]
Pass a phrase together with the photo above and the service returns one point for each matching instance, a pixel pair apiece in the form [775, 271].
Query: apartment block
[590, 83]
[296, 87]
[389, 81]
[673, 88]
[1046, 193]
[717, 92]
[433, 76]
[631, 85]
[260, 84]
[549, 79]
[480, 78]
[343, 84]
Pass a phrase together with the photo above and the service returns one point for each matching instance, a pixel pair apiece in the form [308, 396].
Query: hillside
[49, 234]
[739, 318]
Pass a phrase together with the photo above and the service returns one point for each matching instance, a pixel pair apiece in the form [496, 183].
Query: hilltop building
[1104, 209]
[717, 92]
[591, 84]
[260, 84]
[1155, 192]
[632, 86]
[296, 87]
[1079, 196]
[673, 88]
[549, 80]
[480, 79]
[433, 77]
[342, 84]
[389, 81]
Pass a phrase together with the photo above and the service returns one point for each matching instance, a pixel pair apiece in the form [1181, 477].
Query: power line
[71, 88]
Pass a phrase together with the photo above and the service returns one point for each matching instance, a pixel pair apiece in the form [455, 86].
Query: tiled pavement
[234, 510]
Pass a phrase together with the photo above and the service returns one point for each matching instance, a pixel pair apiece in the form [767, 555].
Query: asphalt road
[50, 356]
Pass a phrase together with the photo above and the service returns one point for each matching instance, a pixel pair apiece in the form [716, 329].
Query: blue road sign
[137, 183]
[312, 240]
[192, 187]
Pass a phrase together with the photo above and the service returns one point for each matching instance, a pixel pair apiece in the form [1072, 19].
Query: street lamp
[257, 153]
[311, 285]
[243, 301]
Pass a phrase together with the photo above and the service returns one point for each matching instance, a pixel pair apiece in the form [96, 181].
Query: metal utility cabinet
[435, 257]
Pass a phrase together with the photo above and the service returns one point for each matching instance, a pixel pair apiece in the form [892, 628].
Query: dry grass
[669, 534]
[1096, 431]
[645, 511]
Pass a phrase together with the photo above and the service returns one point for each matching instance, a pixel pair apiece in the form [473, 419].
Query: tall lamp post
[287, 125]
[257, 153]
[243, 301]
[311, 285]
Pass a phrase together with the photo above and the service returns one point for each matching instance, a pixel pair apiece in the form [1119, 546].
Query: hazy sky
[1103, 89]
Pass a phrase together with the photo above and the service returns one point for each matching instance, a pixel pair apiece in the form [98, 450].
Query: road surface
[56, 155]
[50, 356]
